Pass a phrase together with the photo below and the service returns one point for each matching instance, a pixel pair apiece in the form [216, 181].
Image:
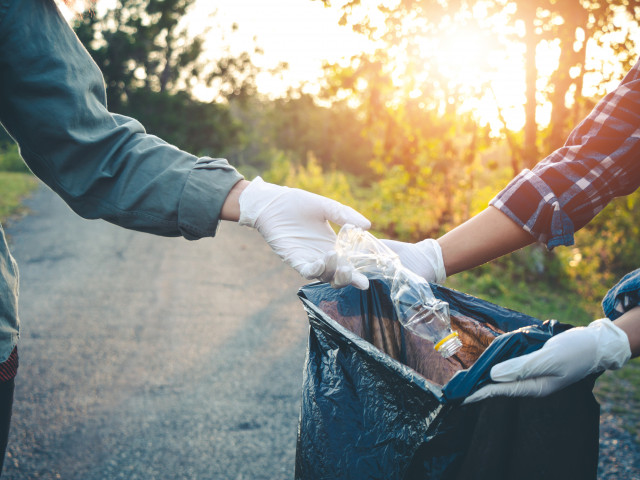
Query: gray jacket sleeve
[53, 103]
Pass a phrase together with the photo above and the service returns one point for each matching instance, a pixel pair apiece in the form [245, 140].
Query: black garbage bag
[380, 403]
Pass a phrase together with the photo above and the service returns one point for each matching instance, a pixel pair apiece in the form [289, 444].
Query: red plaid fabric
[9, 368]
[599, 161]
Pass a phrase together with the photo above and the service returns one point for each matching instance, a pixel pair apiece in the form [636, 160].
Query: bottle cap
[449, 345]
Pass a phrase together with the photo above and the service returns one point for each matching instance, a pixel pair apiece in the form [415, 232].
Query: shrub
[10, 159]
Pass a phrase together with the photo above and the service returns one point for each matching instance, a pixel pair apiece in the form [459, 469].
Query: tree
[574, 26]
[151, 65]
[138, 44]
[143, 44]
[425, 149]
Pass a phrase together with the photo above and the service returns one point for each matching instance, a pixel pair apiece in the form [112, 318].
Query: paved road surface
[144, 357]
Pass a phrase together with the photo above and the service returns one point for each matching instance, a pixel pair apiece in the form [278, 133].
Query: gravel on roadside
[619, 452]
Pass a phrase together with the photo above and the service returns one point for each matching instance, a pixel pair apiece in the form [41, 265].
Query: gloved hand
[295, 223]
[563, 360]
[423, 258]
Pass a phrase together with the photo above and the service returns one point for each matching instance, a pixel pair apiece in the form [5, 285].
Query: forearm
[629, 322]
[487, 236]
[231, 206]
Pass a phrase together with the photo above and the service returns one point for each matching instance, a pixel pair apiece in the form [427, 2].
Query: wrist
[629, 322]
[254, 198]
[231, 206]
[614, 350]
[432, 253]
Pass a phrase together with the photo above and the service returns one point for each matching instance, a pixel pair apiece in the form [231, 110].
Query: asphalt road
[144, 357]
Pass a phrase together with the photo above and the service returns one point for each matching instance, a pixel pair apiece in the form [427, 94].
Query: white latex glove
[295, 224]
[564, 359]
[423, 258]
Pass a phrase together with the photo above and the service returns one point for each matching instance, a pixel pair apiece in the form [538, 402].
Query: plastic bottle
[418, 310]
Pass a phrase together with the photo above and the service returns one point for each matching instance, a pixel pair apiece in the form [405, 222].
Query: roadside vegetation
[16, 182]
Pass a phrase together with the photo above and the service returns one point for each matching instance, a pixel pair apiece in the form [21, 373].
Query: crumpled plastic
[417, 309]
[379, 403]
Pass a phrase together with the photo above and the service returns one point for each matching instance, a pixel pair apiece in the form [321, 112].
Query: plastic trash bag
[380, 403]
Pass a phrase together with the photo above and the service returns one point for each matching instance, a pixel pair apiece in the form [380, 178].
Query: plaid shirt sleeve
[599, 161]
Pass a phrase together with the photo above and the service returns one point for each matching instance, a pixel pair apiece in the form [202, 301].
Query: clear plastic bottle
[417, 308]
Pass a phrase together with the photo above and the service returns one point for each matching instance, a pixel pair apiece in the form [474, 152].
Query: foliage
[151, 64]
[14, 186]
[435, 165]
[429, 158]
[296, 126]
[16, 180]
[201, 128]
[333, 134]
[143, 44]
[311, 177]
[538, 298]
[10, 159]
[575, 29]
[136, 46]
[606, 249]
[396, 209]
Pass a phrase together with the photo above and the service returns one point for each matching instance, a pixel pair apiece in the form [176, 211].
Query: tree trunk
[530, 151]
[165, 75]
[562, 118]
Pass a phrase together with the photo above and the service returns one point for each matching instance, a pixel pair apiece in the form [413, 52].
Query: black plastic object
[509, 345]
[368, 414]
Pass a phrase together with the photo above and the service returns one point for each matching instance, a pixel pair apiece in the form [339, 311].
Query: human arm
[629, 323]
[605, 344]
[295, 223]
[569, 356]
[557, 197]
[231, 207]
[566, 358]
[104, 165]
[488, 235]
[549, 203]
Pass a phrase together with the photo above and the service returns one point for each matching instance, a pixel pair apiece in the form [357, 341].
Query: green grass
[10, 159]
[533, 298]
[15, 187]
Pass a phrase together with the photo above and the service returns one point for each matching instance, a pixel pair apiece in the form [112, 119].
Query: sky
[301, 32]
